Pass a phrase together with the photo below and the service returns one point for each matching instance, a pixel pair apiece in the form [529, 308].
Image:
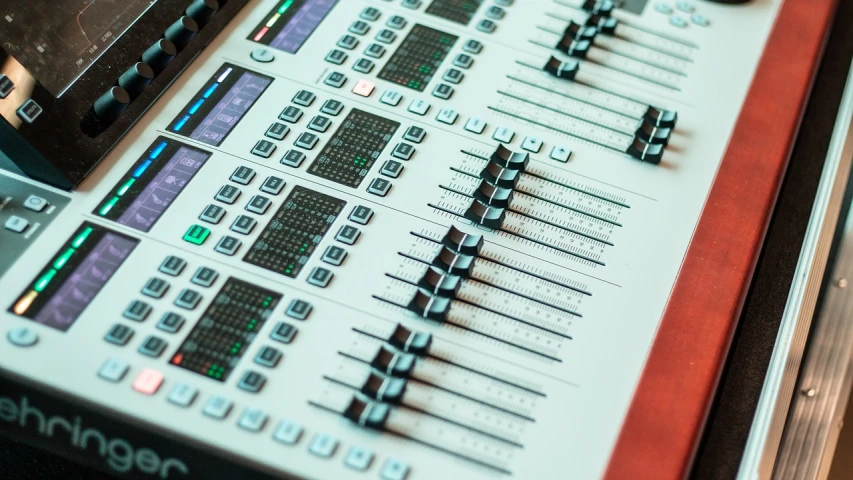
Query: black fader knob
[136, 78]
[493, 195]
[646, 152]
[462, 242]
[605, 25]
[572, 47]
[111, 104]
[660, 117]
[560, 69]
[485, 215]
[202, 10]
[159, 55]
[181, 32]
[580, 32]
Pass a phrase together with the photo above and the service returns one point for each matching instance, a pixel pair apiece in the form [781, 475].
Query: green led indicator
[284, 6]
[106, 208]
[45, 279]
[125, 187]
[63, 259]
[81, 238]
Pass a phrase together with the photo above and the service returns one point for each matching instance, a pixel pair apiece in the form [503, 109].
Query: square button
[173, 265]
[403, 151]
[320, 277]
[287, 432]
[453, 75]
[532, 144]
[113, 370]
[243, 224]
[204, 276]
[155, 287]
[361, 215]
[443, 91]
[293, 158]
[290, 114]
[379, 186]
[152, 346]
[6, 86]
[188, 299]
[414, 134]
[359, 28]
[473, 46]
[396, 22]
[319, 123]
[560, 154]
[391, 97]
[336, 79]
[386, 36]
[212, 214]
[284, 332]
[137, 311]
[412, 4]
[475, 125]
[463, 61]
[252, 382]
[119, 334]
[299, 309]
[323, 445]
[170, 322]
[348, 42]
[183, 395]
[348, 235]
[495, 12]
[304, 98]
[29, 111]
[394, 470]
[258, 204]
[217, 407]
[503, 135]
[273, 185]
[196, 234]
[334, 255]
[268, 357]
[370, 14]
[228, 245]
[363, 88]
[375, 50]
[391, 168]
[227, 194]
[332, 107]
[277, 131]
[243, 175]
[306, 140]
[337, 57]
[447, 115]
[487, 26]
[363, 65]
[419, 106]
[253, 420]
[16, 224]
[263, 148]
[358, 458]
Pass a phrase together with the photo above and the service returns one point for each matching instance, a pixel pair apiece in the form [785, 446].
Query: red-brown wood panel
[668, 412]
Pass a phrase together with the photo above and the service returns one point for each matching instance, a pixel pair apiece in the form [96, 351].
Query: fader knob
[509, 159]
[426, 305]
[605, 25]
[136, 78]
[492, 195]
[384, 389]
[572, 47]
[393, 363]
[652, 134]
[560, 69]
[111, 104]
[599, 7]
[485, 215]
[462, 242]
[181, 32]
[438, 282]
[500, 176]
[580, 32]
[454, 263]
[367, 414]
[159, 55]
[647, 152]
[202, 10]
[660, 117]
[410, 341]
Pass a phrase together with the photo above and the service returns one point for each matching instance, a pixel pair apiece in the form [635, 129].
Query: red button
[148, 381]
[363, 88]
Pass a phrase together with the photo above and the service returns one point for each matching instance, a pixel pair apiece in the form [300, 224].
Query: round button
[22, 337]
[263, 55]
[684, 6]
[677, 21]
[700, 20]
[35, 203]
[663, 8]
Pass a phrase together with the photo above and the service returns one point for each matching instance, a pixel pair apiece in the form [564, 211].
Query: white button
[663, 8]
[560, 154]
[287, 432]
[684, 6]
[113, 370]
[263, 55]
[419, 106]
[394, 470]
[323, 445]
[532, 144]
[700, 20]
[35, 203]
[677, 21]
[475, 125]
[183, 395]
[391, 97]
[447, 115]
[504, 135]
[16, 224]
[23, 337]
[359, 458]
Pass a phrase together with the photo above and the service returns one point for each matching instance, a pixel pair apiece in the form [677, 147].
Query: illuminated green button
[196, 234]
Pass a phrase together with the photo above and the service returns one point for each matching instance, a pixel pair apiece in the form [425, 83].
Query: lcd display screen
[459, 11]
[76, 274]
[218, 107]
[144, 193]
[418, 58]
[58, 40]
[289, 24]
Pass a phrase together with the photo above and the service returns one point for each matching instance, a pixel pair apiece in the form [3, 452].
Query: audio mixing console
[405, 239]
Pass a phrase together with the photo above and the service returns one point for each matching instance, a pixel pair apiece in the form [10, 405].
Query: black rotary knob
[181, 32]
[202, 10]
[159, 55]
[136, 78]
[111, 104]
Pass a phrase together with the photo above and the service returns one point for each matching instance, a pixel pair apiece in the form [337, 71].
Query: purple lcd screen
[150, 204]
[90, 276]
[225, 115]
[302, 25]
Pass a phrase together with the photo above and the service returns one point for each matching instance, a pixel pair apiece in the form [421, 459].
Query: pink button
[148, 381]
[363, 88]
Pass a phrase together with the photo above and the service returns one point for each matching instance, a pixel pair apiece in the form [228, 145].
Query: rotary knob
[181, 32]
[111, 104]
[159, 55]
[202, 10]
[136, 78]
